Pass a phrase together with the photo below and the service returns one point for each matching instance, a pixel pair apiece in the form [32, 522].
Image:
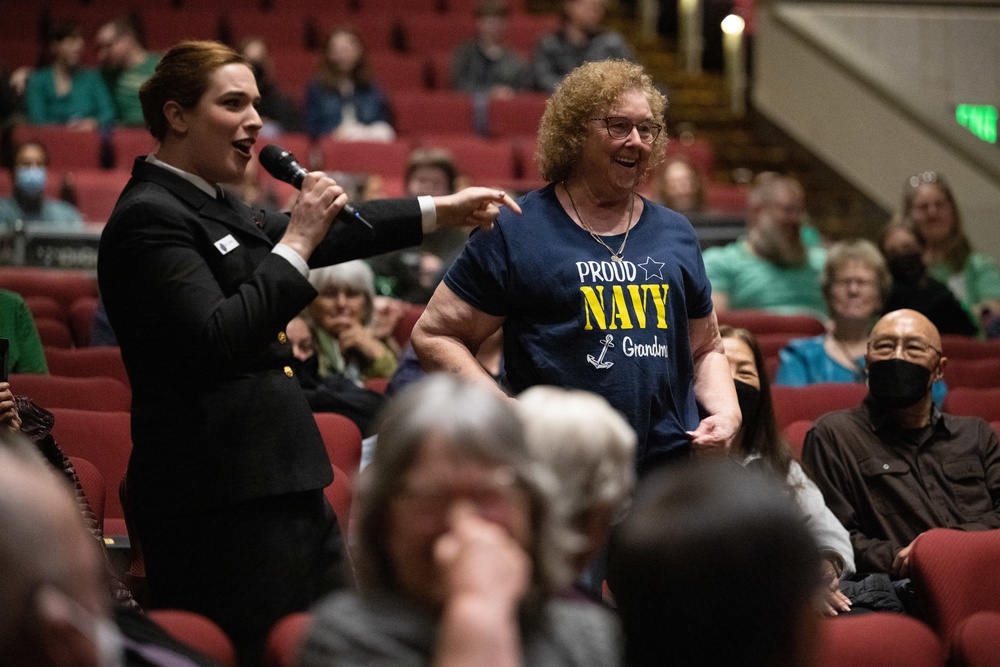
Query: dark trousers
[244, 566]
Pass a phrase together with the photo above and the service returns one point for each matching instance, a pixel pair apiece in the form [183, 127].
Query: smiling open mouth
[243, 146]
[628, 164]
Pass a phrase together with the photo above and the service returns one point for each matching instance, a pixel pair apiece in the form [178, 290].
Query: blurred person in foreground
[455, 556]
[55, 610]
[760, 446]
[590, 449]
[228, 502]
[713, 566]
[595, 287]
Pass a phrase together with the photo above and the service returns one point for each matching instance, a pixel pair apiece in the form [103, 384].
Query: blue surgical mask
[30, 181]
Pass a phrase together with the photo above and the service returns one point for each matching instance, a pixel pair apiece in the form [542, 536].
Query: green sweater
[125, 91]
[749, 281]
[17, 326]
[88, 97]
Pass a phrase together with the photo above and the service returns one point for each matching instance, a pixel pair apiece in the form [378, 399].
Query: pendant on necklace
[616, 258]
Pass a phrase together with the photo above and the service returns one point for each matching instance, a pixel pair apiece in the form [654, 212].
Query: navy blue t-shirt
[574, 318]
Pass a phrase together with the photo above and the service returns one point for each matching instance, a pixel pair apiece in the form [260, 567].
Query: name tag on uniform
[227, 244]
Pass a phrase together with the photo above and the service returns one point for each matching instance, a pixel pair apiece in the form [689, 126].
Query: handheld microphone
[283, 166]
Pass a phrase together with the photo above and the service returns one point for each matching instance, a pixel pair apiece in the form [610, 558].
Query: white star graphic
[652, 268]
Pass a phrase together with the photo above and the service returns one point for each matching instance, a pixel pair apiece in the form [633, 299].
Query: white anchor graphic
[599, 362]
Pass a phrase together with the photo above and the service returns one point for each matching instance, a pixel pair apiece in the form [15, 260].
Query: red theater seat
[342, 439]
[432, 112]
[285, 639]
[63, 286]
[197, 632]
[104, 439]
[812, 401]
[485, 162]
[54, 333]
[396, 72]
[370, 157]
[516, 116]
[58, 391]
[129, 143]
[433, 33]
[953, 573]
[103, 361]
[762, 322]
[879, 640]
[97, 192]
[67, 149]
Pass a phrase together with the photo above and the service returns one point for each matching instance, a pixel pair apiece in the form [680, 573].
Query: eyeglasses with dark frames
[619, 127]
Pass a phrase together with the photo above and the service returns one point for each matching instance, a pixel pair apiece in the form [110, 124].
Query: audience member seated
[590, 449]
[930, 209]
[28, 202]
[334, 393]
[759, 445]
[340, 316]
[412, 275]
[276, 109]
[25, 353]
[54, 604]
[125, 65]
[65, 93]
[580, 39]
[680, 186]
[486, 66]
[344, 351]
[714, 566]
[896, 466]
[343, 101]
[855, 282]
[913, 288]
[771, 268]
[456, 558]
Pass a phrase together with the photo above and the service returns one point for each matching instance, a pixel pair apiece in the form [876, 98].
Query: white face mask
[101, 631]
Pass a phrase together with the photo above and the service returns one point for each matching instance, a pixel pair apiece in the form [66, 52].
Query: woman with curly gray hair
[595, 286]
[455, 556]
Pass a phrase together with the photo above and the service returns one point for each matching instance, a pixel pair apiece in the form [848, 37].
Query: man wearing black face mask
[896, 466]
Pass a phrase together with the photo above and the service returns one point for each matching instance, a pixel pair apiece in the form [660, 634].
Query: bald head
[908, 323]
[906, 335]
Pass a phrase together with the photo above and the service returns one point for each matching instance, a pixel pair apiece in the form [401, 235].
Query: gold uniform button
[289, 372]
[282, 338]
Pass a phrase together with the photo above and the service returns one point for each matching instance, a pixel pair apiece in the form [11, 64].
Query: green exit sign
[980, 119]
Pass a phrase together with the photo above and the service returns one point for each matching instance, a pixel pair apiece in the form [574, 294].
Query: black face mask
[897, 383]
[906, 267]
[749, 399]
